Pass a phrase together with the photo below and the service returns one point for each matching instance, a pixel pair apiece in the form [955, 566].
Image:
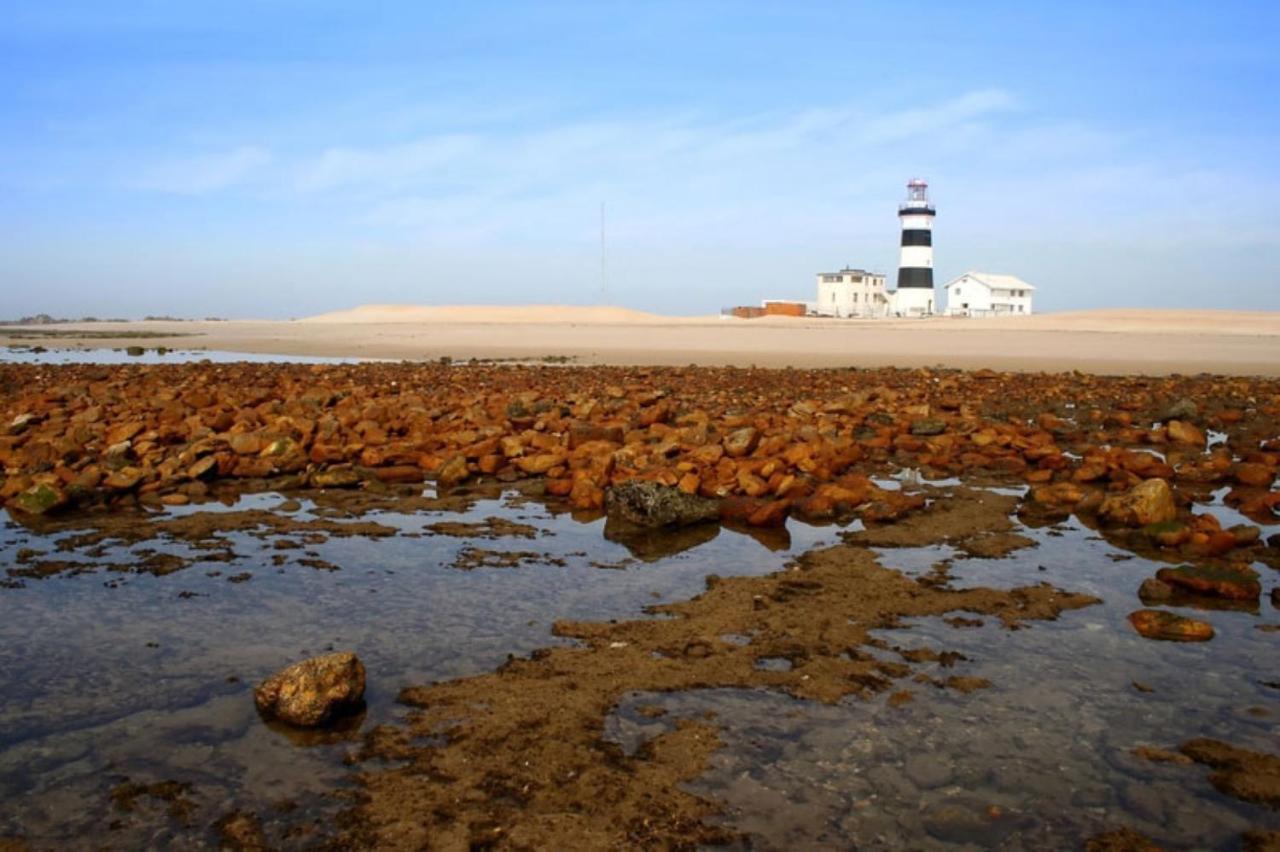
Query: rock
[118, 455]
[741, 442]
[1121, 840]
[753, 511]
[1245, 534]
[966, 819]
[205, 468]
[1169, 533]
[1154, 591]
[1246, 775]
[246, 445]
[1159, 624]
[453, 472]
[927, 427]
[1149, 502]
[1161, 755]
[1181, 432]
[19, 424]
[927, 770]
[649, 504]
[135, 351]
[123, 479]
[335, 477]
[280, 447]
[1183, 409]
[241, 832]
[1260, 840]
[311, 692]
[39, 499]
[585, 433]
[1254, 474]
[540, 463]
[1236, 585]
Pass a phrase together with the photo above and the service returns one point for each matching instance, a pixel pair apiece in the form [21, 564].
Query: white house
[982, 294]
[851, 293]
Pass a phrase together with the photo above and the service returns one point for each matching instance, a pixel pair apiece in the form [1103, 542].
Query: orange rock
[1182, 432]
[1254, 474]
[741, 442]
[453, 472]
[540, 463]
[1159, 624]
[398, 473]
[585, 495]
[1149, 502]
[559, 487]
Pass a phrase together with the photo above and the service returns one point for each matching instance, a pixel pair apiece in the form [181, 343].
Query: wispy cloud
[206, 173]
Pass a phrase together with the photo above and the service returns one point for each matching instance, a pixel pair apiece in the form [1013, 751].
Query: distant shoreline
[1117, 341]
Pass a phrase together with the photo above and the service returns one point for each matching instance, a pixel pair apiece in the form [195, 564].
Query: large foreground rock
[311, 692]
[1149, 502]
[649, 504]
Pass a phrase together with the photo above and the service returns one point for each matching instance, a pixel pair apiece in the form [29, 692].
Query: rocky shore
[765, 443]
[518, 757]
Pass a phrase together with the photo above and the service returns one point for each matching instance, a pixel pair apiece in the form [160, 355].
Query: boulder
[335, 477]
[649, 504]
[453, 472]
[1158, 624]
[313, 691]
[39, 499]
[741, 442]
[1183, 409]
[1149, 502]
[1254, 474]
[1153, 590]
[1181, 432]
[1241, 585]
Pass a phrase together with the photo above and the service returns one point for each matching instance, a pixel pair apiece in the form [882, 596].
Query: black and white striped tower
[914, 296]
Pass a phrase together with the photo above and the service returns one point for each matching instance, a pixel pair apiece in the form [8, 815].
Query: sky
[283, 159]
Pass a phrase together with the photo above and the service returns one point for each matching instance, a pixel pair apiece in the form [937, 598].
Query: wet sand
[1149, 342]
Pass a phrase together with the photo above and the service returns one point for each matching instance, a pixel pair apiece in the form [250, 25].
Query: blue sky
[282, 159]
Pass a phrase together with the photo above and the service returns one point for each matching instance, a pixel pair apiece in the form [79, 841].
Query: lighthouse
[914, 296]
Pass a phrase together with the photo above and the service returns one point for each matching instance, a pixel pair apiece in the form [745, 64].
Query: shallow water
[26, 354]
[109, 675]
[1040, 760]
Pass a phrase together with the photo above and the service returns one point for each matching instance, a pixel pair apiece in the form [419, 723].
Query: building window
[855, 297]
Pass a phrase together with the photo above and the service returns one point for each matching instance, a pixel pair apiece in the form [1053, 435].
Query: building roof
[993, 281]
[847, 271]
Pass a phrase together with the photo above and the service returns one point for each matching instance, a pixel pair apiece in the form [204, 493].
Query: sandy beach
[1119, 341]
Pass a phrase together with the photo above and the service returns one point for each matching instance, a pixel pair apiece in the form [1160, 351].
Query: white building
[851, 293]
[982, 294]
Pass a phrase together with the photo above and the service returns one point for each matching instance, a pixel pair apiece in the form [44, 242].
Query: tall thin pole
[604, 280]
